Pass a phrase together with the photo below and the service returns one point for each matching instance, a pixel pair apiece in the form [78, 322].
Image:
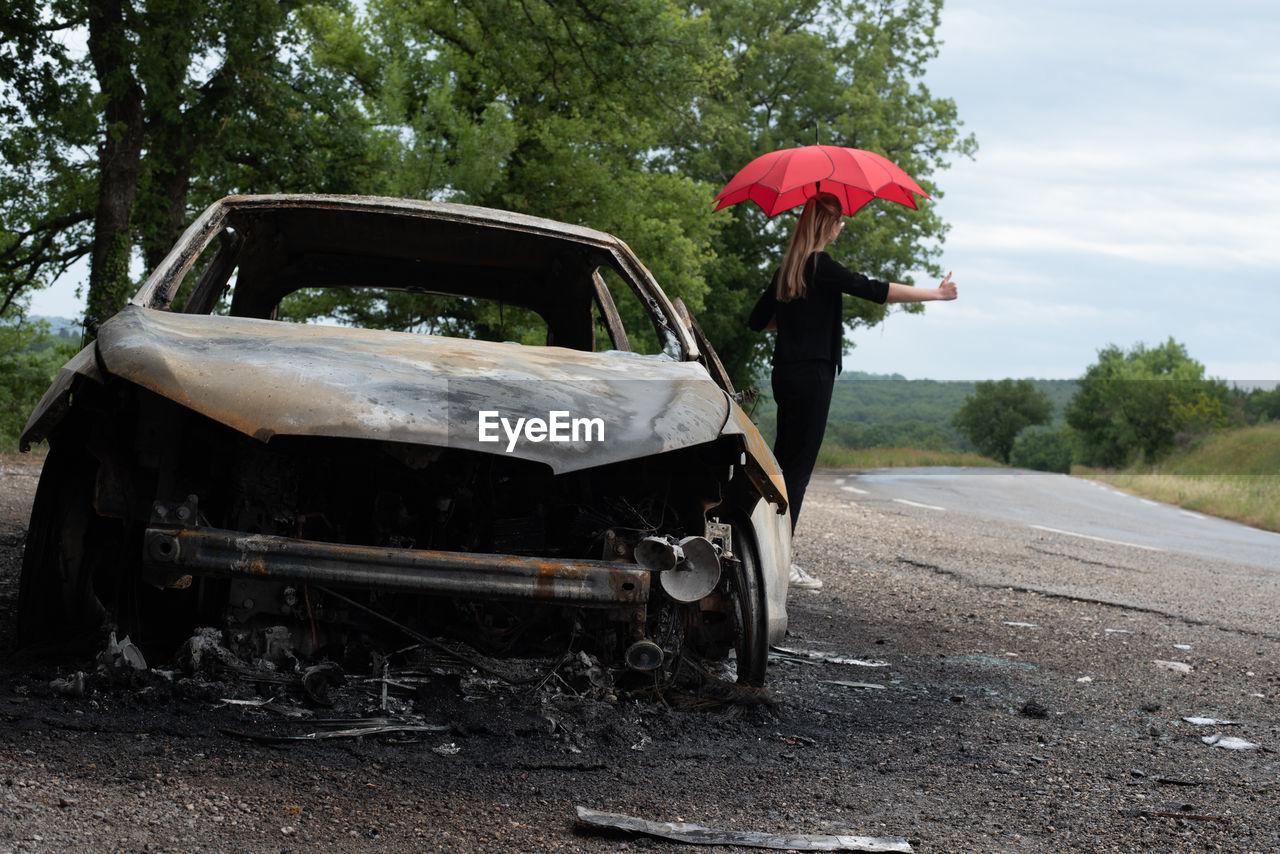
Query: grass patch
[1234, 475]
[839, 457]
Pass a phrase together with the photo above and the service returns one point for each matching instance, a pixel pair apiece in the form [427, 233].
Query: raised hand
[947, 290]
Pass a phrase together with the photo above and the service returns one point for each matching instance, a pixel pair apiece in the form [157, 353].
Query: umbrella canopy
[781, 180]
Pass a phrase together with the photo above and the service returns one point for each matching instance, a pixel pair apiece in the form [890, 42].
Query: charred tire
[56, 600]
[751, 639]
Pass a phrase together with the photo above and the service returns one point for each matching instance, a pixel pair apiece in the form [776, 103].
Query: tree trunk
[173, 188]
[119, 158]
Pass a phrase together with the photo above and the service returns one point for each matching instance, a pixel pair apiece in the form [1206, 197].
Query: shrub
[1044, 450]
[29, 358]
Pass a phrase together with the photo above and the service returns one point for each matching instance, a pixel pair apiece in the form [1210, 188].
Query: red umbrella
[781, 180]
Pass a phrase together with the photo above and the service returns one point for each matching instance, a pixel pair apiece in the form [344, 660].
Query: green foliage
[904, 434]
[46, 128]
[1262, 406]
[1229, 473]
[997, 412]
[871, 399]
[1137, 404]
[551, 109]
[112, 286]
[430, 314]
[1251, 451]
[175, 104]
[873, 410]
[803, 71]
[836, 456]
[1044, 450]
[629, 117]
[625, 117]
[29, 358]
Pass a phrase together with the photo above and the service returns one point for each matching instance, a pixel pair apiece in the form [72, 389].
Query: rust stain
[544, 582]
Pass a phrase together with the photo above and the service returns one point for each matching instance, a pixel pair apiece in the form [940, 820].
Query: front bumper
[215, 552]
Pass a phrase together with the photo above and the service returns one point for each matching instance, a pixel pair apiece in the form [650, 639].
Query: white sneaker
[803, 580]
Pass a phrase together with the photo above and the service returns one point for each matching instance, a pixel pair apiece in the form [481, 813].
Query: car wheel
[56, 600]
[746, 591]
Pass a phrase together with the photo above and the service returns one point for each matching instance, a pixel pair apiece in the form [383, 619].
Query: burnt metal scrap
[696, 834]
[353, 728]
[810, 656]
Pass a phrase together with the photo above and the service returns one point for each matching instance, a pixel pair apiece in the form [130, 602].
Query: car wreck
[315, 485]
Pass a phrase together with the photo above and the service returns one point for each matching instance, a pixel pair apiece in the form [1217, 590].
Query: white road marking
[855, 490]
[1192, 515]
[1097, 539]
[917, 504]
[839, 481]
[1152, 503]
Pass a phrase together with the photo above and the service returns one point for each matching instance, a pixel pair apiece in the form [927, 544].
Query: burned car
[320, 484]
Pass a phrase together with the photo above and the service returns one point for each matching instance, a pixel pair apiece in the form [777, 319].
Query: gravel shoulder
[1021, 707]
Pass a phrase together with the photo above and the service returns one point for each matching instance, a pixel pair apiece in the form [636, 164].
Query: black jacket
[810, 328]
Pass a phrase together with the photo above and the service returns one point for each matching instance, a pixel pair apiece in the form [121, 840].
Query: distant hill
[62, 327]
[887, 410]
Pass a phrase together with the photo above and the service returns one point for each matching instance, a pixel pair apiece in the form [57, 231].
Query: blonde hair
[813, 232]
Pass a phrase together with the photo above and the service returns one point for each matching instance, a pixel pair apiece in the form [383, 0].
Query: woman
[803, 302]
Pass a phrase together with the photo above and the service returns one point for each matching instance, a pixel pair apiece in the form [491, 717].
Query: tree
[629, 117]
[802, 71]
[29, 357]
[1133, 404]
[1044, 450]
[621, 116]
[547, 108]
[46, 197]
[1262, 406]
[993, 416]
[172, 105]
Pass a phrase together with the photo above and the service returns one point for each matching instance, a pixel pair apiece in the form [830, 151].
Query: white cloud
[1126, 189]
[1185, 201]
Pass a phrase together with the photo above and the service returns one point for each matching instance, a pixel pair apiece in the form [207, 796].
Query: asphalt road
[963, 682]
[1068, 507]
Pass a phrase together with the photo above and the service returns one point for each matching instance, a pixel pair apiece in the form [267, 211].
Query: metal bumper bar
[233, 554]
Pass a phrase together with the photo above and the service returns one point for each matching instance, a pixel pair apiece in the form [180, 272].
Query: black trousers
[802, 391]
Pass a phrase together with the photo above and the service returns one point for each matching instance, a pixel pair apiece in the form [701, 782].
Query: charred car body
[211, 464]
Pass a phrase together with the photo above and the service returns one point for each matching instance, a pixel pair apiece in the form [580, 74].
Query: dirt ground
[1021, 708]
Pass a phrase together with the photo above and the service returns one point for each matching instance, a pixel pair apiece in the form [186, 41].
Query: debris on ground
[696, 834]
[203, 650]
[1032, 709]
[1185, 815]
[807, 656]
[1175, 666]
[1229, 742]
[69, 686]
[344, 728]
[121, 655]
[1210, 722]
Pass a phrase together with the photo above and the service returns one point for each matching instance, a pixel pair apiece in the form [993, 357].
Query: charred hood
[266, 378]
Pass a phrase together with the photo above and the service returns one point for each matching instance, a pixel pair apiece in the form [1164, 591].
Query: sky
[1126, 190]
